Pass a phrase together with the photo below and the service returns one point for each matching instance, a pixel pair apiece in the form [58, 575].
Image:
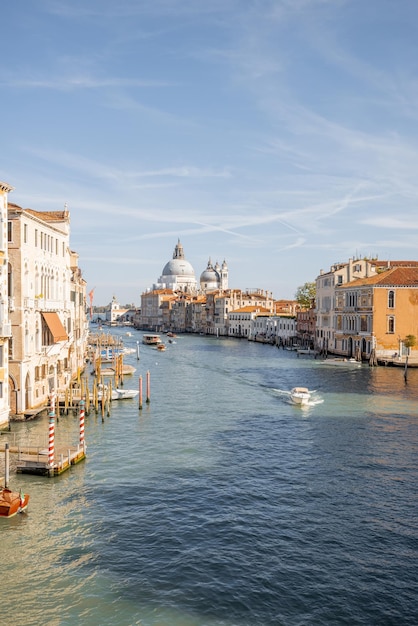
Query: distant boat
[12, 502]
[342, 362]
[300, 395]
[151, 340]
[161, 347]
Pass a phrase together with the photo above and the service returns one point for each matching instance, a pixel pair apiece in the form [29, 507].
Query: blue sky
[278, 135]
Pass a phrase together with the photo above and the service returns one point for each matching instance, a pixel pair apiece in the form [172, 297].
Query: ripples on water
[221, 504]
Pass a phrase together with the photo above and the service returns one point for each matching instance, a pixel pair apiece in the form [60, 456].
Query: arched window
[391, 324]
[391, 299]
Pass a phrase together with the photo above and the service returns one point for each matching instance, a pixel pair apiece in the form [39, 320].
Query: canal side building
[326, 283]
[47, 307]
[378, 313]
[5, 326]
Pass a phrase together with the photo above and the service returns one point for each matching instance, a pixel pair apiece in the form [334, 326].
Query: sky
[278, 135]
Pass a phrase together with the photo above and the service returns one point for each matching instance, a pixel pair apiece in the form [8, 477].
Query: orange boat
[12, 502]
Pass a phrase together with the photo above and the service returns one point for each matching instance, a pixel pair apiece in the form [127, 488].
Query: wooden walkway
[35, 461]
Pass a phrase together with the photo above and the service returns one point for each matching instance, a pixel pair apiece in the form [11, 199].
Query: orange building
[378, 313]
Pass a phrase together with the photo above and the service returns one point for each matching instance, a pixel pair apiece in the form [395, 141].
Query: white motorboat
[117, 394]
[341, 362]
[300, 395]
[124, 394]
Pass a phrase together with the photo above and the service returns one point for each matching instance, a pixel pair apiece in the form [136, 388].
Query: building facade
[281, 330]
[241, 322]
[220, 303]
[326, 283]
[47, 307]
[115, 313]
[5, 326]
[155, 309]
[377, 314]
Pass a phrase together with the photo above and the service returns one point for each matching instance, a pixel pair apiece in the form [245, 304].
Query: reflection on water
[220, 503]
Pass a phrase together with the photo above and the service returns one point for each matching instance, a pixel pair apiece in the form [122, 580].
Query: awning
[54, 324]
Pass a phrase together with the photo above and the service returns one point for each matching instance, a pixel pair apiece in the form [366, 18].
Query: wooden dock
[35, 461]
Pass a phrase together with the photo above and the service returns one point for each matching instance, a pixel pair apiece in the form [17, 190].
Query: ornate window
[391, 299]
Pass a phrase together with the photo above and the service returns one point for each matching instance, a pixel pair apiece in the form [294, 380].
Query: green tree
[305, 295]
[409, 341]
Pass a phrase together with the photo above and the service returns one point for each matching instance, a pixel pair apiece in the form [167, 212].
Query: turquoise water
[220, 503]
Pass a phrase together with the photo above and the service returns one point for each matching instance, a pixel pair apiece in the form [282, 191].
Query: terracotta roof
[49, 216]
[46, 216]
[390, 264]
[158, 292]
[253, 309]
[402, 276]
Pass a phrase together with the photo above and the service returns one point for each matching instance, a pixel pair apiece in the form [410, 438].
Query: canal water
[221, 504]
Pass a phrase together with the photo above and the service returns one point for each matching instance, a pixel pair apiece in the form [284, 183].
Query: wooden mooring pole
[140, 393]
[148, 400]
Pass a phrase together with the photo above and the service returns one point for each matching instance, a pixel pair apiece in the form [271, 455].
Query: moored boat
[117, 394]
[127, 370]
[124, 394]
[12, 502]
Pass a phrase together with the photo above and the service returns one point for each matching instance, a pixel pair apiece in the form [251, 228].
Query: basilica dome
[178, 267]
[178, 274]
[209, 278]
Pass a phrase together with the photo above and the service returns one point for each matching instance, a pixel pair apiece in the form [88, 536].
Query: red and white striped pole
[82, 411]
[51, 437]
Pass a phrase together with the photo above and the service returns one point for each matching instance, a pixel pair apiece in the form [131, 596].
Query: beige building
[115, 313]
[281, 329]
[5, 327]
[220, 303]
[326, 283]
[47, 307]
[241, 322]
[155, 309]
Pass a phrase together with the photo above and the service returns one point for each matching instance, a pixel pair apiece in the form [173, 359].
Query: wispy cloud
[396, 223]
[70, 83]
